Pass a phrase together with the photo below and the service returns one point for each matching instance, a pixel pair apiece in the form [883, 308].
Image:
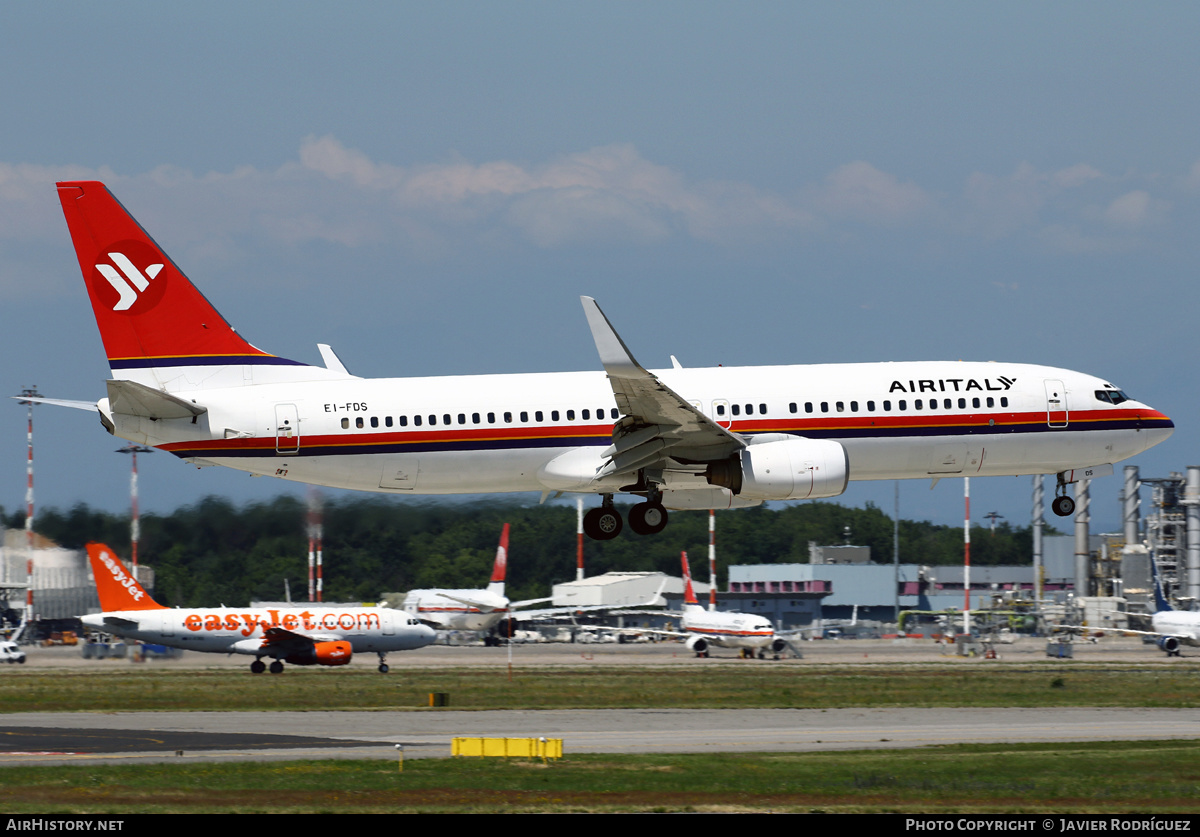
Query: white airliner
[184, 381]
[723, 629]
[1172, 628]
[468, 610]
[314, 635]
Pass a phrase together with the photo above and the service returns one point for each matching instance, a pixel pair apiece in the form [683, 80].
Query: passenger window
[749, 409]
[416, 421]
[345, 424]
[737, 409]
[824, 406]
[991, 402]
[762, 409]
[854, 406]
[808, 407]
[902, 405]
[462, 418]
[792, 407]
[615, 414]
[537, 416]
[508, 418]
[975, 403]
[587, 415]
[870, 406]
[374, 421]
[524, 416]
[358, 422]
[841, 407]
[404, 421]
[720, 410]
[887, 406]
[916, 404]
[1003, 400]
[962, 403]
[491, 418]
[387, 420]
[554, 415]
[474, 418]
[445, 418]
[570, 415]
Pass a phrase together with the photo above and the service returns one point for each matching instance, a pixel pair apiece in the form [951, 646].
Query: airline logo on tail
[118, 590]
[129, 282]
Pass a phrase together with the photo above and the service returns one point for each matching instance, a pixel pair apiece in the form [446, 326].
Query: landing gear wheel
[602, 524]
[1063, 506]
[383, 669]
[647, 518]
[258, 667]
[277, 667]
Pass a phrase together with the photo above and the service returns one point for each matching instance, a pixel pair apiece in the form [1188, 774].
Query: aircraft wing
[484, 604]
[657, 422]
[282, 638]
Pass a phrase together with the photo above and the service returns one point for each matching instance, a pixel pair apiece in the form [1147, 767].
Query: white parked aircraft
[468, 610]
[186, 382]
[1172, 628]
[723, 629]
[313, 635]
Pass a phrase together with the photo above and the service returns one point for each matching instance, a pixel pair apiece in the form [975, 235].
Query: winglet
[614, 354]
[689, 595]
[1160, 600]
[118, 590]
[501, 565]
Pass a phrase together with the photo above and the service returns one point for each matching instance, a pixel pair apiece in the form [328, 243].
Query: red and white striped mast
[712, 560]
[316, 590]
[579, 539]
[29, 393]
[135, 530]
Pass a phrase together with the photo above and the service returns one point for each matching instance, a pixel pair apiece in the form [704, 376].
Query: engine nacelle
[335, 653]
[1170, 644]
[784, 469]
[698, 644]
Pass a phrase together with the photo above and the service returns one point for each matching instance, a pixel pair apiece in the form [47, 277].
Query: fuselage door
[1056, 403]
[287, 429]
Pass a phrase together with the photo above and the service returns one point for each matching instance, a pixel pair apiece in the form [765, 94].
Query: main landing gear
[604, 523]
[383, 666]
[258, 667]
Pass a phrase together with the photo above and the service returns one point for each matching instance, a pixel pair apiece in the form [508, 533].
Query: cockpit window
[1112, 396]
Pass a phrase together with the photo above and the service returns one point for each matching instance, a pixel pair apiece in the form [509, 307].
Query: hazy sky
[429, 187]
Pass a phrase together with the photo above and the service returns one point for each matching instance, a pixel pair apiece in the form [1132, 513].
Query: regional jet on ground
[184, 381]
[315, 635]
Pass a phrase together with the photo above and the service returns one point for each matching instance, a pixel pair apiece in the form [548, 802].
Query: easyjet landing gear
[277, 667]
[648, 518]
[383, 667]
[603, 523]
[258, 667]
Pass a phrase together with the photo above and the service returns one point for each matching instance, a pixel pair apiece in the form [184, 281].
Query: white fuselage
[232, 630]
[496, 433]
[1183, 624]
[453, 614]
[727, 630]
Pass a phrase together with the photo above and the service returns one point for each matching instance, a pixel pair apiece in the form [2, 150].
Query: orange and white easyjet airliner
[184, 381]
[304, 636]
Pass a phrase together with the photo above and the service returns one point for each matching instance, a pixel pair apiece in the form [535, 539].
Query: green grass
[1124, 777]
[822, 687]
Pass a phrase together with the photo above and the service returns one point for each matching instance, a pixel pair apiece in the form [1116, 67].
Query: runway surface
[144, 737]
[63, 738]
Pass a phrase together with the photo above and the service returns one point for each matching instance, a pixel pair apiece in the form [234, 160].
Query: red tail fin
[149, 314]
[118, 590]
[501, 565]
[689, 595]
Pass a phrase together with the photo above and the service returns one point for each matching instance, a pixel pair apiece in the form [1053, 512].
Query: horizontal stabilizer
[133, 399]
[59, 402]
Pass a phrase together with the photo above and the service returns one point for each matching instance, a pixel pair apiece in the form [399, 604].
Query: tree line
[215, 552]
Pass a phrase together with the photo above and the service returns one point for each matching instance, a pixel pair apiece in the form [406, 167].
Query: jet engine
[1170, 644]
[781, 467]
[323, 654]
[697, 644]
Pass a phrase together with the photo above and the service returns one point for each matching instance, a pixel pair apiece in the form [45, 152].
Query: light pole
[134, 527]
